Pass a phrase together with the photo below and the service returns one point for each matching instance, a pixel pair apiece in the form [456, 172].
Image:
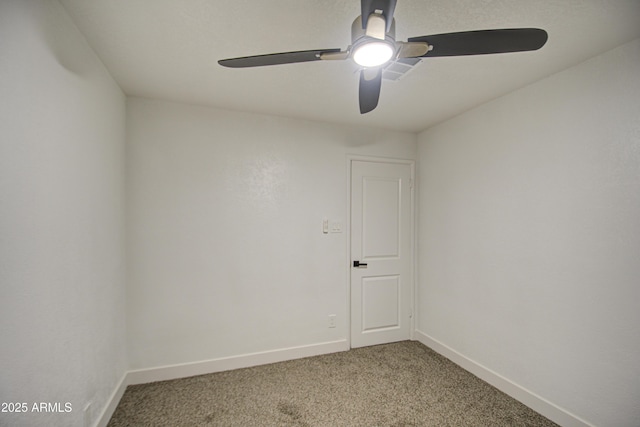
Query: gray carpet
[400, 384]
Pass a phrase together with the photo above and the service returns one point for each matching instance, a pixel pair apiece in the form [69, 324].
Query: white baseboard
[112, 404]
[234, 362]
[532, 400]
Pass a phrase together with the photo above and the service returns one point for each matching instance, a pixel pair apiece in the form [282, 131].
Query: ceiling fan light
[373, 54]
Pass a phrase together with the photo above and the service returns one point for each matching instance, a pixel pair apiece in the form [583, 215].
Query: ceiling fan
[373, 46]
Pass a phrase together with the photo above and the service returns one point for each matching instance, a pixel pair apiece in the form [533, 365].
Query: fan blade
[412, 50]
[483, 42]
[370, 6]
[276, 58]
[370, 83]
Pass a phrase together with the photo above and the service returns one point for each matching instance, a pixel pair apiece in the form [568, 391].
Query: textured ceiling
[168, 49]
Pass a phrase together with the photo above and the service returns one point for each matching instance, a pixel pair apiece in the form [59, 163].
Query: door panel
[380, 303]
[381, 230]
[380, 217]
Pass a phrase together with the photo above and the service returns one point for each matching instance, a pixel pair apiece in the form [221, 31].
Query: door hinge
[410, 183]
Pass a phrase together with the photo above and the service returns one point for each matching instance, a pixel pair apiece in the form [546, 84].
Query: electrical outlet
[332, 320]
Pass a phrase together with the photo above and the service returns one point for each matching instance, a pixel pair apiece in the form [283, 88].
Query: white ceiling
[168, 49]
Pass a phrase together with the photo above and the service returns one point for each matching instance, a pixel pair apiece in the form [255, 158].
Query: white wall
[62, 132]
[225, 243]
[529, 245]
[529, 230]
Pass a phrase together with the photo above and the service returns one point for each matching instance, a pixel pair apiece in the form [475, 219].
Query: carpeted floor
[400, 384]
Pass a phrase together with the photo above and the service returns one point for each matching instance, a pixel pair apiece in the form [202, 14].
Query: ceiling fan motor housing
[359, 35]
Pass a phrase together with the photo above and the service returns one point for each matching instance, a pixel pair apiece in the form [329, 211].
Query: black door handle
[359, 264]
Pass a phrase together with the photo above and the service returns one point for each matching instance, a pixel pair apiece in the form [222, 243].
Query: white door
[381, 252]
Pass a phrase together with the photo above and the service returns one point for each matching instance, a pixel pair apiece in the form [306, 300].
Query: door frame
[389, 160]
